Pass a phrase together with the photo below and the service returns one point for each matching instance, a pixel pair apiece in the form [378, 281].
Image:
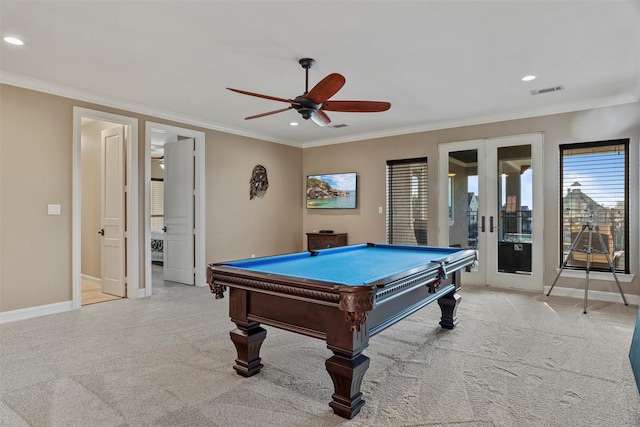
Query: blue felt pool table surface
[349, 265]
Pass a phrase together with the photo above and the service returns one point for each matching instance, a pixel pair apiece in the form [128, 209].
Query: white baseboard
[31, 312]
[91, 279]
[592, 295]
[142, 293]
[596, 275]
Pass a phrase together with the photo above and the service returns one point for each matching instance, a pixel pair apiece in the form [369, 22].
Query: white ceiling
[440, 63]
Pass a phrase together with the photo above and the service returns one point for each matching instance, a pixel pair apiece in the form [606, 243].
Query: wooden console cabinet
[325, 240]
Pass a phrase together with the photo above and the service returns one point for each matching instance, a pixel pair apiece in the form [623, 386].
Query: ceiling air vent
[546, 90]
[339, 126]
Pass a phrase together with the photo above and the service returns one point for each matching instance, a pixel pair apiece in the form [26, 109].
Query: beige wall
[36, 141]
[238, 227]
[90, 196]
[35, 254]
[36, 169]
[368, 159]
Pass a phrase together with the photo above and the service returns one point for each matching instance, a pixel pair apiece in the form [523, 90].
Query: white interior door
[179, 211]
[113, 211]
[494, 191]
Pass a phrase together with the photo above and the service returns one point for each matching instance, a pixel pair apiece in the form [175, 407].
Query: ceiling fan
[313, 103]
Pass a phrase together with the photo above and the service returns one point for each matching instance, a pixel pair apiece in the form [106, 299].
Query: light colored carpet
[515, 359]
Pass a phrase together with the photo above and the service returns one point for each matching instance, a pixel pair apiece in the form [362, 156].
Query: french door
[493, 193]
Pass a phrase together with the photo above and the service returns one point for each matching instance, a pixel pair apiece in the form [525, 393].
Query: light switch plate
[53, 209]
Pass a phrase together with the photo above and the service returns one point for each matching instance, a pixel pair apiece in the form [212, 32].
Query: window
[594, 179]
[157, 203]
[407, 201]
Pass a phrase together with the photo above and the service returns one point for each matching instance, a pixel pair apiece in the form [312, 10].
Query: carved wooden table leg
[248, 340]
[347, 373]
[448, 306]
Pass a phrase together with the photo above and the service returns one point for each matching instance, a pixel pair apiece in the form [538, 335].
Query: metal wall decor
[258, 182]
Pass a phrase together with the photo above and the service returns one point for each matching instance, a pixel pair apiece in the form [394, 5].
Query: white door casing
[179, 211]
[132, 205]
[488, 207]
[199, 214]
[112, 209]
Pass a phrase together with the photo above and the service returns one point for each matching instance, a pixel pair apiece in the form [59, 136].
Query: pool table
[341, 295]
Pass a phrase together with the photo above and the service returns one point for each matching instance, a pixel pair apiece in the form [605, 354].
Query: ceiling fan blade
[268, 113]
[326, 88]
[273, 98]
[320, 118]
[356, 106]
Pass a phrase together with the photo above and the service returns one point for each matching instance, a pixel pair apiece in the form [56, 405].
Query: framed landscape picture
[332, 191]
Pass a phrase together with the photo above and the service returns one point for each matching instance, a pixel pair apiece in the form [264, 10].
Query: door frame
[487, 151]
[199, 208]
[132, 272]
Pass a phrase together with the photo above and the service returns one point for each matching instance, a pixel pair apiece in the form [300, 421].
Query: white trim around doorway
[133, 265]
[199, 182]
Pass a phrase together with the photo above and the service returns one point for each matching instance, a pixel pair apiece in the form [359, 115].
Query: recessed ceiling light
[528, 78]
[293, 124]
[14, 40]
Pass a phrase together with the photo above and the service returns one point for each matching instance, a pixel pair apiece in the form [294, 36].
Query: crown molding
[494, 118]
[86, 96]
[68, 92]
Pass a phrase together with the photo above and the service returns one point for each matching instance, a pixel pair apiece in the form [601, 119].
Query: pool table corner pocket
[356, 301]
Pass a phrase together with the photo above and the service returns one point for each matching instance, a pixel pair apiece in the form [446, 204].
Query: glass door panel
[463, 198]
[514, 225]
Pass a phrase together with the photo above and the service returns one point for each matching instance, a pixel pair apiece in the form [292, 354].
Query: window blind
[407, 201]
[594, 179]
[157, 204]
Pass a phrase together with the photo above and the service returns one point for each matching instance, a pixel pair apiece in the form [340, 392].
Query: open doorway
[101, 142]
[93, 258]
[161, 192]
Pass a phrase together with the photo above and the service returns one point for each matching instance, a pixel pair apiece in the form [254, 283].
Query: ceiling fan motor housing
[305, 107]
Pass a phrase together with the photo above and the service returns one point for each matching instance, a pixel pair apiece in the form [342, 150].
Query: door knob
[101, 232]
[164, 228]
